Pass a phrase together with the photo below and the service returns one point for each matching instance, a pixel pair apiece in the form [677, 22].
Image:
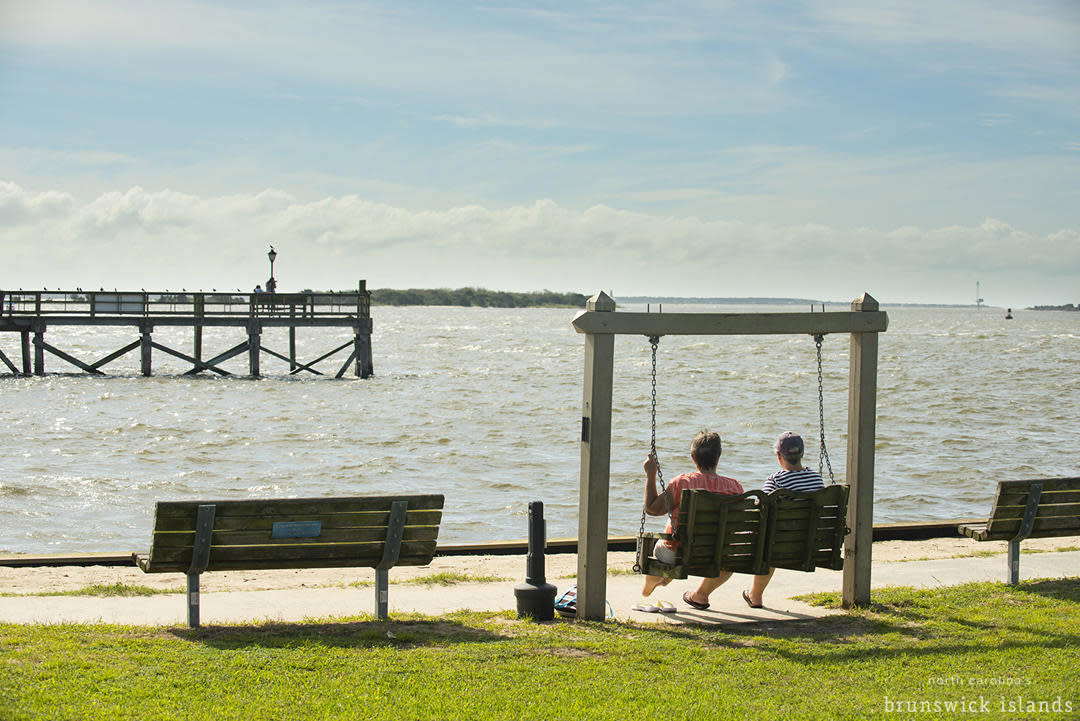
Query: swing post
[862, 414]
[595, 466]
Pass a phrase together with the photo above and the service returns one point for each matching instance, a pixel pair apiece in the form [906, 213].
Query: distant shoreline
[484, 298]
[477, 297]
[1067, 306]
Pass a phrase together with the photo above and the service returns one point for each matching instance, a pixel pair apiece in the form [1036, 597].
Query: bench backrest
[754, 531]
[806, 530]
[1058, 513]
[294, 533]
[722, 532]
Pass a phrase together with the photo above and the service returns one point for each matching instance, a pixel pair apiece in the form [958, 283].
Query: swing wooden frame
[600, 323]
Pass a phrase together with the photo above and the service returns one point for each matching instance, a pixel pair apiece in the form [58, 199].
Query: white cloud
[142, 238]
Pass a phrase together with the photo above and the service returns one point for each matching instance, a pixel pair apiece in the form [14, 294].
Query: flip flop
[666, 607]
[647, 608]
[691, 602]
[751, 604]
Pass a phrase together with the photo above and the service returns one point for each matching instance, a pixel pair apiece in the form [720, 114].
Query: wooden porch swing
[782, 537]
[754, 531]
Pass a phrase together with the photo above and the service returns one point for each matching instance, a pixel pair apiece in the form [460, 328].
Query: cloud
[143, 238]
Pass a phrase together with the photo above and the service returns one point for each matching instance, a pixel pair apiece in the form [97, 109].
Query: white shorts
[663, 554]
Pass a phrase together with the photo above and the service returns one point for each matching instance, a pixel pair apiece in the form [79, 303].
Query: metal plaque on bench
[297, 529]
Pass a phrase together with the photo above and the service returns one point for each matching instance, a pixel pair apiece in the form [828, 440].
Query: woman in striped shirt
[792, 476]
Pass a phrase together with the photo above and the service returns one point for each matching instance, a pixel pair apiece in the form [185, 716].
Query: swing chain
[823, 453]
[654, 341]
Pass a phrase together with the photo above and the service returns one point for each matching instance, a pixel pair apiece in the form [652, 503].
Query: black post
[536, 597]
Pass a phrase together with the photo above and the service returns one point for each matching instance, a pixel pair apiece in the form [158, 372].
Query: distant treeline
[479, 297]
[1067, 306]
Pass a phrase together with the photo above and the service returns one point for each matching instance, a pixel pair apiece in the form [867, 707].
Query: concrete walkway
[624, 591]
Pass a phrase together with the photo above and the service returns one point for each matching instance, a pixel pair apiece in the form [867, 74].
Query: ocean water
[484, 406]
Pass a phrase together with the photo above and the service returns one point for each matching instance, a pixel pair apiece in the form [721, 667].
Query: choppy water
[484, 405]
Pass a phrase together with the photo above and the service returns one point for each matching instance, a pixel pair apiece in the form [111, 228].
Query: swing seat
[717, 532]
[752, 532]
[807, 529]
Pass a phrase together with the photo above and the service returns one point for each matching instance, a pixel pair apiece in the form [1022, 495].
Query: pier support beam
[25, 351]
[292, 348]
[146, 349]
[364, 365]
[39, 350]
[254, 345]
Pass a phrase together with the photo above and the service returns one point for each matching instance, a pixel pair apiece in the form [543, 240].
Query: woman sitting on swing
[705, 451]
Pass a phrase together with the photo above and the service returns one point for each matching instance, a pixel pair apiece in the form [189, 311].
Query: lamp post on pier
[271, 285]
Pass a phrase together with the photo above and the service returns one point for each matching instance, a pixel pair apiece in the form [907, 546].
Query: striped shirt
[805, 480]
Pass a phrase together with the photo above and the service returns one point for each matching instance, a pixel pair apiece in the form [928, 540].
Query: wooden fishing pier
[31, 313]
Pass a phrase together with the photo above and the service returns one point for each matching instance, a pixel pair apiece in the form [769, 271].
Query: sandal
[666, 607]
[751, 604]
[659, 607]
[691, 602]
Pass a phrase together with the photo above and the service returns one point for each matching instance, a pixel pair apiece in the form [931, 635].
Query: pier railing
[92, 304]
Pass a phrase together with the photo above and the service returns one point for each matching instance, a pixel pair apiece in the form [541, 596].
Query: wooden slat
[263, 537]
[297, 506]
[821, 537]
[313, 555]
[1045, 528]
[1045, 510]
[822, 560]
[1049, 485]
[977, 531]
[271, 564]
[805, 512]
[1019, 498]
[375, 519]
[824, 524]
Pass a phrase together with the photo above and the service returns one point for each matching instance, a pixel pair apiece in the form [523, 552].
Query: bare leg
[651, 582]
[708, 585]
[758, 589]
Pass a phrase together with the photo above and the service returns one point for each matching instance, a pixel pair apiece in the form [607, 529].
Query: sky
[817, 150]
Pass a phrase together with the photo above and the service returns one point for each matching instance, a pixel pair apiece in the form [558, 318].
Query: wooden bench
[1041, 508]
[364, 531]
[753, 532]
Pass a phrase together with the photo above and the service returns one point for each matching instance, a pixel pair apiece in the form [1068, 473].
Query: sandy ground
[559, 567]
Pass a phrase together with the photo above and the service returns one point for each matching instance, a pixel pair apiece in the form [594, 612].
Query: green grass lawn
[989, 650]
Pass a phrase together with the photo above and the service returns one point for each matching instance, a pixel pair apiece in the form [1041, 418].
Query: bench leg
[1014, 562]
[193, 600]
[382, 586]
